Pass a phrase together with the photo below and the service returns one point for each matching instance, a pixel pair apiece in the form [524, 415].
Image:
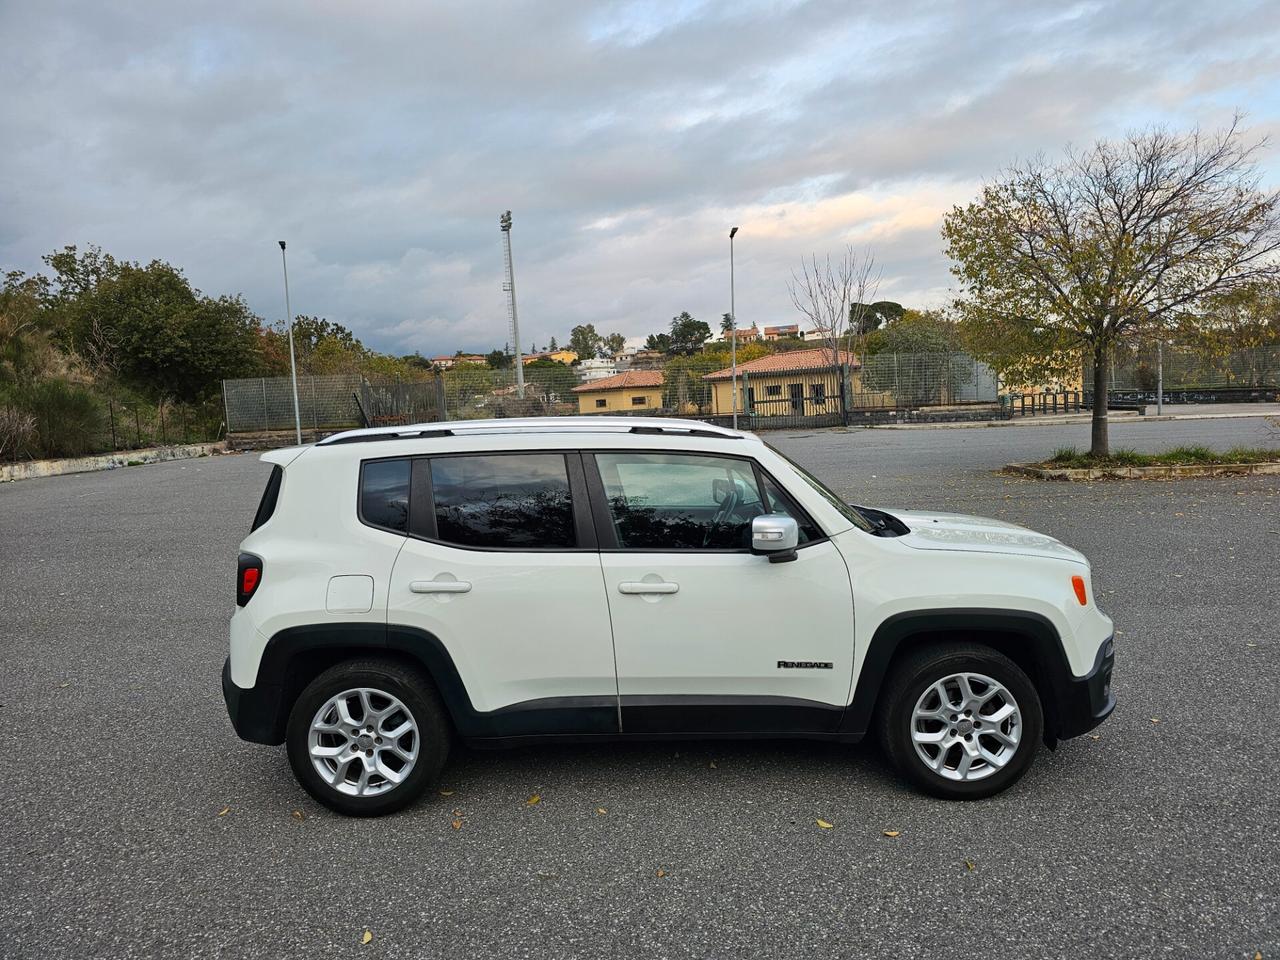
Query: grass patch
[1178, 456]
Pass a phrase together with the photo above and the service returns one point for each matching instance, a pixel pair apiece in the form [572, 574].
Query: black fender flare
[1030, 639]
[265, 708]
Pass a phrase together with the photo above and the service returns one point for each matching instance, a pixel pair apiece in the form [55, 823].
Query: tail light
[248, 577]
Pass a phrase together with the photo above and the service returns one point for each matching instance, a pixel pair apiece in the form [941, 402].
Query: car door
[708, 636]
[501, 573]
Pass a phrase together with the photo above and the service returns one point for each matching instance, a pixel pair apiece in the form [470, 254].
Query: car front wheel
[367, 737]
[961, 721]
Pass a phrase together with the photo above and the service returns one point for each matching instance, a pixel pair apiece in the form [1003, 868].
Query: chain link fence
[885, 385]
[1190, 375]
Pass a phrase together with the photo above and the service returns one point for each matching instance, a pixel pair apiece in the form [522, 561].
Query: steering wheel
[727, 507]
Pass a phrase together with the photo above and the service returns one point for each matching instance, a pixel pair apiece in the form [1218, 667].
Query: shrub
[68, 418]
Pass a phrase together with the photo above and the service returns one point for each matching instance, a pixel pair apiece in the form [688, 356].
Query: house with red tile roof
[630, 391]
[793, 383]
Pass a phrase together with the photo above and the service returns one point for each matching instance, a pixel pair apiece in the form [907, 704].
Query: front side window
[384, 494]
[503, 501]
[664, 501]
[820, 488]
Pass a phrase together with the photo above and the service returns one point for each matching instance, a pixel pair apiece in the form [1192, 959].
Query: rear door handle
[641, 586]
[440, 586]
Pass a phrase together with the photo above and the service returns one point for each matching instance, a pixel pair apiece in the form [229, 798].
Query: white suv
[595, 578]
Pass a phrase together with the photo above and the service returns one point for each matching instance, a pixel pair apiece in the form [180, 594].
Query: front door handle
[642, 586]
[440, 586]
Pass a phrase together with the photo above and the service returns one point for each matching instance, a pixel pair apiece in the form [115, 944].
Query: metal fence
[886, 385]
[1190, 375]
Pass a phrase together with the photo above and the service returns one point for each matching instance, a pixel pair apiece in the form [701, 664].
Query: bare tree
[1067, 259]
[834, 295]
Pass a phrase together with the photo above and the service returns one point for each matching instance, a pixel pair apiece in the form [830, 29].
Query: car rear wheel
[960, 721]
[368, 737]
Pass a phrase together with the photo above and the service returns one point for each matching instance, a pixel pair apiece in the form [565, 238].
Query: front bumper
[1088, 700]
[254, 711]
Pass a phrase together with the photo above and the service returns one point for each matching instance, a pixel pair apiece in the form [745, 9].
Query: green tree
[551, 347]
[726, 323]
[1060, 260]
[614, 344]
[498, 360]
[688, 335]
[553, 380]
[658, 341]
[865, 318]
[585, 342]
[916, 358]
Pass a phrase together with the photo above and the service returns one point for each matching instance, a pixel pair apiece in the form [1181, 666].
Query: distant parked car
[599, 578]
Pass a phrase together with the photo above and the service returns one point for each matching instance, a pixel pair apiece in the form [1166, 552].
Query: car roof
[528, 426]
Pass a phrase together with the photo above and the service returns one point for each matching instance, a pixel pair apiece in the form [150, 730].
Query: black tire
[910, 679]
[408, 685]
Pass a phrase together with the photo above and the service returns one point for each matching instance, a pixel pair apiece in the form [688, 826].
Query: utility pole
[1160, 376]
[733, 330]
[509, 285]
[293, 367]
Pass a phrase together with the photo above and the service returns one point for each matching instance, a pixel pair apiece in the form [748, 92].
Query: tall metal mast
[509, 285]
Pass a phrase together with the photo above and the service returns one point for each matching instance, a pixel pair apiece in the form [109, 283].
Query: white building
[597, 369]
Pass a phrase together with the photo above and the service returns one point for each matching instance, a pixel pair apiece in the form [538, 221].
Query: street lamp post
[293, 367]
[733, 330]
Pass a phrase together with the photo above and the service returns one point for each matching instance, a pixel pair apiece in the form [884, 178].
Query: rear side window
[384, 494]
[267, 505]
[504, 501]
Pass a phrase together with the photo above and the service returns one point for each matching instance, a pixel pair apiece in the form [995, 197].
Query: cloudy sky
[383, 139]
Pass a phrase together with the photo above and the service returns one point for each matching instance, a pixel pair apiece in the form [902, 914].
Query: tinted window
[517, 500]
[661, 501]
[384, 494]
[267, 505]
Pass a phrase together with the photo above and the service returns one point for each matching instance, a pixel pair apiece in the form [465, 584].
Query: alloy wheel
[966, 726]
[363, 742]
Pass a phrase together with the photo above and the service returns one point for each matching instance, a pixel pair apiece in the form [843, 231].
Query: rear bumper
[1088, 700]
[254, 711]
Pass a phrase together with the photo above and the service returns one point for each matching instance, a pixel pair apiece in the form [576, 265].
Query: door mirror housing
[776, 536]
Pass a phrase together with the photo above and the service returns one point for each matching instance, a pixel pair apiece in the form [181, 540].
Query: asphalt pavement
[135, 824]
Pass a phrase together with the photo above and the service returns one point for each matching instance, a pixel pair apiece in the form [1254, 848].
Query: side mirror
[776, 536]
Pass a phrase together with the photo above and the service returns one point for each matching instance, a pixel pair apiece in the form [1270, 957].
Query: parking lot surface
[136, 824]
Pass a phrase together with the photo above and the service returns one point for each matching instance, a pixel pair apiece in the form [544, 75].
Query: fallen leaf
[536, 798]
[446, 793]
[601, 811]
[297, 815]
[968, 864]
[1095, 736]
[366, 936]
[457, 824]
[660, 872]
[224, 811]
[457, 813]
[713, 764]
[1155, 719]
[63, 686]
[893, 833]
[823, 825]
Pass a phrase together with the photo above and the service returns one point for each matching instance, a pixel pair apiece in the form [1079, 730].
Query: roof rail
[453, 428]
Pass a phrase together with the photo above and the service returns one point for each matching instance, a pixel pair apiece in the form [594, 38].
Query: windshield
[846, 510]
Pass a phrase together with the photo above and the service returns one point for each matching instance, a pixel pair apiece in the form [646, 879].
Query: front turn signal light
[1077, 584]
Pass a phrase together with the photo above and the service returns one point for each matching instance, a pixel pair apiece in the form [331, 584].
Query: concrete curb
[1128, 416]
[1159, 472]
[1050, 420]
[32, 469]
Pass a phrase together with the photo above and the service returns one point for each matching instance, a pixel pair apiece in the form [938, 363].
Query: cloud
[384, 141]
